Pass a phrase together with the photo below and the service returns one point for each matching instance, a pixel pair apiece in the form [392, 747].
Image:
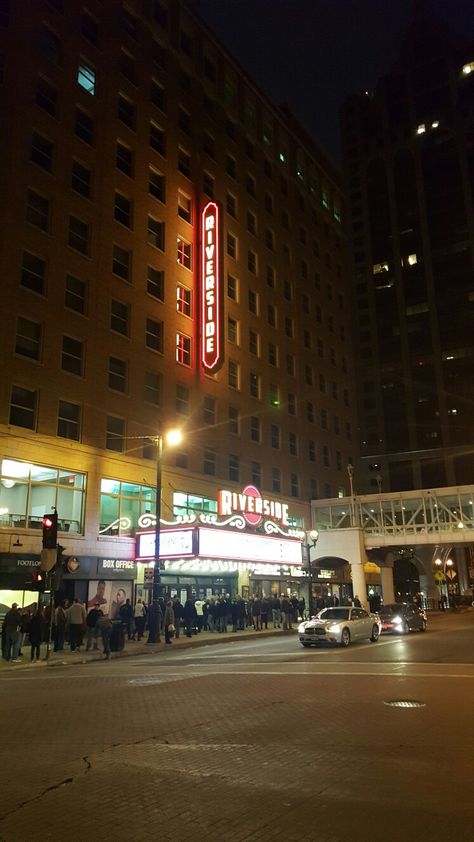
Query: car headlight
[301, 627]
[334, 627]
[397, 620]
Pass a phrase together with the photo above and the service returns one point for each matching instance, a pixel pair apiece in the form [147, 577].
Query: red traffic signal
[37, 576]
[50, 531]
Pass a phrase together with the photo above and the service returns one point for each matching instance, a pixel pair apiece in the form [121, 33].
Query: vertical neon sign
[211, 350]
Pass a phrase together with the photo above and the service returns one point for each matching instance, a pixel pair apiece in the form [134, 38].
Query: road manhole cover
[405, 703]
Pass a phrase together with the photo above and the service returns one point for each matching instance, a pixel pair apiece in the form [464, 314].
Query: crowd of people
[77, 626]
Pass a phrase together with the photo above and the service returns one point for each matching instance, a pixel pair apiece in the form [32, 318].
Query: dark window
[75, 294]
[234, 468]
[69, 420]
[127, 66]
[124, 159]
[156, 233]
[72, 355]
[155, 283]
[153, 388]
[81, 179]
[256, 473]
[33, 272]
[46, 96]
[23, 408]
[37, 210]
[154, 335]
[89, 28]
[115, 434]
[119, 317]
[123, 210]
[84, 126]
[157, 139]
[157, 95]
[78, 236]
[182, 399]
[49, 45]
[121, 263]
[41, 152]
[117, 374]
[184, 163]
[28, 338]
[126, 111]
[157, 184]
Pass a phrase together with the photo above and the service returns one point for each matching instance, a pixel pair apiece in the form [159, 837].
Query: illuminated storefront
[242, 553]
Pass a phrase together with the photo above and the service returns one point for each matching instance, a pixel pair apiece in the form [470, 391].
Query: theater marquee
[211, 288]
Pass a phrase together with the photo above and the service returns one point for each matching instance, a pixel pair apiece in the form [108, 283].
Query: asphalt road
[251, 740]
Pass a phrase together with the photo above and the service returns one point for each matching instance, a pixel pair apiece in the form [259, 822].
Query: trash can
[117, 638]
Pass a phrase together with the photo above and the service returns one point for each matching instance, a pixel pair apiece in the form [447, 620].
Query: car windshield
[391, 609]
[334, 614]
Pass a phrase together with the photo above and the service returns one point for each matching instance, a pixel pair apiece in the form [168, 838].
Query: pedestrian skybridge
[436, 516]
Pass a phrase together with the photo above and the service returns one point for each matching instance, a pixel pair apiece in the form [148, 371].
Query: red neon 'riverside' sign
[210, 287]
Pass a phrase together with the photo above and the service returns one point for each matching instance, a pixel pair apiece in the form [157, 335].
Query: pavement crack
[38, 797]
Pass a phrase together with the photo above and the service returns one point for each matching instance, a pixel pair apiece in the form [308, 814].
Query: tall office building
[172, 255]
[409, 161]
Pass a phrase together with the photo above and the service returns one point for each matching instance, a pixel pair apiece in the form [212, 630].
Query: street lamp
[350, 473]
[313, 536]
[172, 438]
[447, 564]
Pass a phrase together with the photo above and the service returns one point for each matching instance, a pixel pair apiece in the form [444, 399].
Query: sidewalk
[133, 648]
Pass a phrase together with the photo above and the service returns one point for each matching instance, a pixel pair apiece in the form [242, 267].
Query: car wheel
[375, 634]
[345, 637]
[423, 626]
[305, 644]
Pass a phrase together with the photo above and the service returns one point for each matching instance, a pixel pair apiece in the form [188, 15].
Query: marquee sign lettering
[251, 505]
[211, 343]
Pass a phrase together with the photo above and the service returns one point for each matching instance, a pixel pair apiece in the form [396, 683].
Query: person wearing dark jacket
[169, 622]
[35, 628]
[12, 631]
[265, 610]
[257, 614]
[178, 615]
[126, 616]
[91, 630]
[189, 617]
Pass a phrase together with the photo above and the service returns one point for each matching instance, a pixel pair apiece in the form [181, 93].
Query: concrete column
[359, 584]
[386, 576]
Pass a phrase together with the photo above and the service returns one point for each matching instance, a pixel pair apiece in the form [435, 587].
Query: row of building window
[24, 410]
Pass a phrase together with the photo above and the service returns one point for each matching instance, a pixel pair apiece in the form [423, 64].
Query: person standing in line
[139, 617]
[240, 614]
[91, 630]
[257, 614]
[77, 621]
[211, 615]
[234, 614]
[169, 621]
[275, 606]
[265, 610]
[104, 628]
[178, 615]
[126, 616]
[189, 617]
[36, 626]
[199, 606]
[60, 626]
[286, 613]
[12, 631]
[356, 602]
[301, 607]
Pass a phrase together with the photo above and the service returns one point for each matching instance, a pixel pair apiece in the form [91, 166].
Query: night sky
[312, 53]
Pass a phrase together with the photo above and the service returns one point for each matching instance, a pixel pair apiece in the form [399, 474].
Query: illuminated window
[184, 254]
[325, 199]
[378, 268]
[86, 78]
[412, 259]
[183, 300]
[183, 349]
[274, 395]
[468, 68]
[421, 129]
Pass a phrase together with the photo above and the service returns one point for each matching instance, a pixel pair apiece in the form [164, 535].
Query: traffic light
[39, 579]
[50, 531]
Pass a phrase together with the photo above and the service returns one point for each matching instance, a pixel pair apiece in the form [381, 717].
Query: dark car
[402, 618]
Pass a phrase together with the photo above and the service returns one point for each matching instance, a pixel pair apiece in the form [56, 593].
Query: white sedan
[340, 625]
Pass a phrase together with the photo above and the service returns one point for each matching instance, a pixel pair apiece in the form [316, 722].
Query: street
[251, 740]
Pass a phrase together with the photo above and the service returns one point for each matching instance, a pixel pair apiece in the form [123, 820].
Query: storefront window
[28, 491]
[122, 504]
[186, 504]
